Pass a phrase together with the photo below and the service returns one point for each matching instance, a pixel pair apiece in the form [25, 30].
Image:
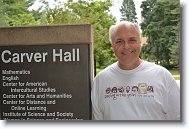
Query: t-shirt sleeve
[173, 101]
[96, 112]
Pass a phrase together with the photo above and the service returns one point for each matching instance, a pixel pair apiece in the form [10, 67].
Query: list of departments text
[23, 99]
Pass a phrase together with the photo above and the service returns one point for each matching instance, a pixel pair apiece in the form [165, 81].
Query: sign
[46, 81]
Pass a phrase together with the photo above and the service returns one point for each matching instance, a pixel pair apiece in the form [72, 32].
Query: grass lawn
[175, 74]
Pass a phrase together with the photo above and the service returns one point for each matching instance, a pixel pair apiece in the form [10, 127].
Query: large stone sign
[46, 72]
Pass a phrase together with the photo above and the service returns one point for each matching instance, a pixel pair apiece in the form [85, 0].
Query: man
[131, 88]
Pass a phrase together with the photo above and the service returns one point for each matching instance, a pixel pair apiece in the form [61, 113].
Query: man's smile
[127, 52]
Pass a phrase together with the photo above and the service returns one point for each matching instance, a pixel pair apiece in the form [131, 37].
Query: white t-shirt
[148, 92]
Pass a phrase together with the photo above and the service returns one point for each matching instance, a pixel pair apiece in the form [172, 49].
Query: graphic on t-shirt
[128, 89]
[134, 89]
[114, 90]
[121, 89]
[108, 90]
[150, 89]
[140, 90]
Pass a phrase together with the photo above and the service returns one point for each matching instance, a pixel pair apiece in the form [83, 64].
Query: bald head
[129, 26]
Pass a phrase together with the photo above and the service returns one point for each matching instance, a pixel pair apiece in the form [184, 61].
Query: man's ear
[141, 44]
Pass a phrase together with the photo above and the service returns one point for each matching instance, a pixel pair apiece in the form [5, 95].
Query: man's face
[126, 43]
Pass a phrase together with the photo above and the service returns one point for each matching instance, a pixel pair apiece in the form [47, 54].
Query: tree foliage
[15, 13]
[128, 11]
[93, 12]
[3, 15]
[161, 27]
[88, 12]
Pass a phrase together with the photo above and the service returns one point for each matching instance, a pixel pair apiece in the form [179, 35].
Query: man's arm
[173, 112]
[96, 112]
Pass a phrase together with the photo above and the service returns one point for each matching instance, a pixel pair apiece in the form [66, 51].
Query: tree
[128, 11]
[90, 12]
[24, 19]
[15, 12]
[81, 12]
[3, 15]
[161, 21]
